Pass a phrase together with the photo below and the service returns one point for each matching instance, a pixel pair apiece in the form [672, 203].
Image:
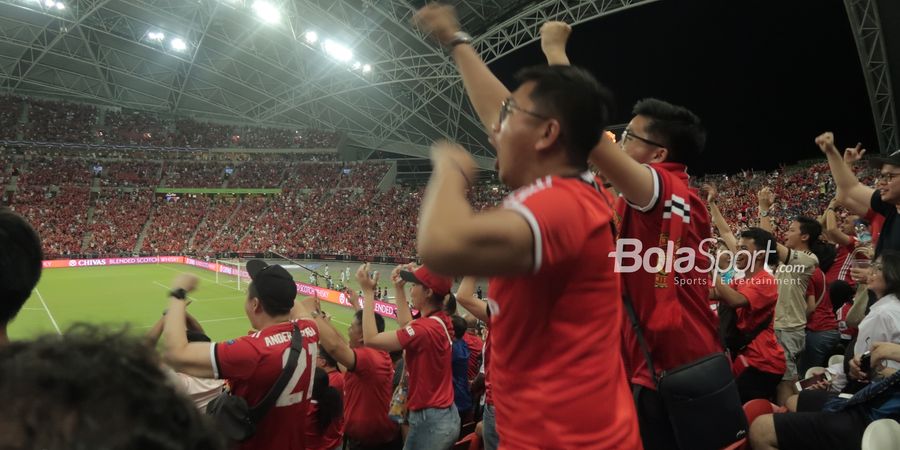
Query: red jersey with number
[763, 353]
[555, 368]
[428, 361]
[253, 363]
[684, 328]
[475, 345]
[367, 397]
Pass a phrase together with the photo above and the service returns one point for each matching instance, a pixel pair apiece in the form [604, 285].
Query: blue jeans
[819, 347]
[489, 428]
[432, 429]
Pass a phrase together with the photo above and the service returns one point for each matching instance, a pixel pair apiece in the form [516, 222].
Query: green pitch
[135, 296]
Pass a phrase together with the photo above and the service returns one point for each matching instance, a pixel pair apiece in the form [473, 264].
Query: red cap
[439, 284]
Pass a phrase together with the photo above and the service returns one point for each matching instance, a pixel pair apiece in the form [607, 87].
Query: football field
[135, 296]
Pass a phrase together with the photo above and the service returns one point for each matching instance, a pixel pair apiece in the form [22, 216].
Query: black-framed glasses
[509, 104]
[627, 134]
[888, 177]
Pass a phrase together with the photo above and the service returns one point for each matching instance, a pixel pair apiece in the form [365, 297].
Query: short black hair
[459, 326]
[674, 126]
[379, 321]
[20, 263]
[93, 388]
[572, 96]
[329, 360]
[890, 270]
[763, 240]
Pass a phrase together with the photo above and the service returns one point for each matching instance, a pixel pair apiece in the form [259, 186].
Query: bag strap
[636, 326]
[259, 411]
[449, 339]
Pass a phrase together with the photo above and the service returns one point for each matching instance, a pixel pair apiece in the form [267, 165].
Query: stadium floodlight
[60, 6]
[178, 44]
[337, 51]
[157, 36]
[49, 3]
[356, 65]
[266, 11]
[366, 68]
[311, 37]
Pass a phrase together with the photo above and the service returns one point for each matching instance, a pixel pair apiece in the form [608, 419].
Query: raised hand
[711, 192]
[444, 152]
[852, 155]
[554, 36]
[185, 281]
[366, 283]
[395, 277]
[438, 21]
[766, 198]
[825, 141]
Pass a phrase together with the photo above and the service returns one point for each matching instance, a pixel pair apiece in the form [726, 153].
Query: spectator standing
[546, 250]
[460, 360]
[253, 363]
[433, 418]
[324, 430]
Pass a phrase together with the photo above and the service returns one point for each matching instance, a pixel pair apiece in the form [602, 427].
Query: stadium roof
[279, 62]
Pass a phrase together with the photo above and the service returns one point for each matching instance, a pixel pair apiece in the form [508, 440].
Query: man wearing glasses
[657, 207]
[554, 297]
[858, 198]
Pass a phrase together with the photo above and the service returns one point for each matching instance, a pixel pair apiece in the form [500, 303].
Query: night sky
[765, 77]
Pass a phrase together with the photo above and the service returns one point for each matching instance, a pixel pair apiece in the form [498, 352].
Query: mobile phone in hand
[812, 381]
[865, 363]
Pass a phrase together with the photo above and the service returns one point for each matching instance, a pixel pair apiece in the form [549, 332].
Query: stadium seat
[470, 442]
[835, 359]
[812, 371]
[757, 407]
[882, 434]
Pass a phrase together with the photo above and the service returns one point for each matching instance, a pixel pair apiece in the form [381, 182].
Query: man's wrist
[457, 38]
[178, 293]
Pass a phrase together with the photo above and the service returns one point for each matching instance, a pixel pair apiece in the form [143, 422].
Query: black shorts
[820, 430]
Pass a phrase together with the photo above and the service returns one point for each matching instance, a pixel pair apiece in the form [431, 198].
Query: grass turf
[135, 296]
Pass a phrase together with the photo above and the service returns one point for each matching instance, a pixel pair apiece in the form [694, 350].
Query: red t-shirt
[367, 398]
[428, 359]
[675, 334]
[840, 269]
[253, 363]
[764, 353]
[876, 222]
[475, 346]
[556, 369]
[822, 318]
[847, 333]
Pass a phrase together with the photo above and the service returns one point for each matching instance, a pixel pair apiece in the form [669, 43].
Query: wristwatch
[179, 293]
[460, 37]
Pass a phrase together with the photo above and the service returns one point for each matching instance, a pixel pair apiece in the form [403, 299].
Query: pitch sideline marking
[41, 297]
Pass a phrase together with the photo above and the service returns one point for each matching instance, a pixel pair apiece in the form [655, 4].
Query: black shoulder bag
[734, 339]
[701, 397]
[234, 418]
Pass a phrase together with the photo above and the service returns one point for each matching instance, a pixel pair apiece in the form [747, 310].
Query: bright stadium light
[356, 65]
[367, 68]
[337, 51]
[311, 37]
[157, 36]
[178, 44]
[60, 6]
[266, 11]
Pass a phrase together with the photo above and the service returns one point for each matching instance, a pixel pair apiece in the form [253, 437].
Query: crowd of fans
[10, 115]
[118, 220]
[53, 121]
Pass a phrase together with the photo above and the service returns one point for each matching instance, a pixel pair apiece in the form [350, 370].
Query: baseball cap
[439, 284]
[893, 159]
[274, 285]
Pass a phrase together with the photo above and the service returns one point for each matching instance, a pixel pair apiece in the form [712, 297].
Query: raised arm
[725, 231]
[483, 88]
[860, 301]
[730, 296]
[404, 315]
[850, 192]
[554, 36]
[454, 240]
[766, 199]
[832, 231]
[334, 343]
[190, 358]
[386, 340]
[466, 298]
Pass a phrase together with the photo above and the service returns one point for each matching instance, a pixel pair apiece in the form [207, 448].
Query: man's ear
[551, 134]
[660, 155]
[255, 304]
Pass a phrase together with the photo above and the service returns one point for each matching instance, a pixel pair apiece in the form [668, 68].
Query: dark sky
[765, 78]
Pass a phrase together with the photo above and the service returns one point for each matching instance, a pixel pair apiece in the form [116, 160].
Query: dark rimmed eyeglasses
[888, 176]
[628, 134]
[509, 104]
